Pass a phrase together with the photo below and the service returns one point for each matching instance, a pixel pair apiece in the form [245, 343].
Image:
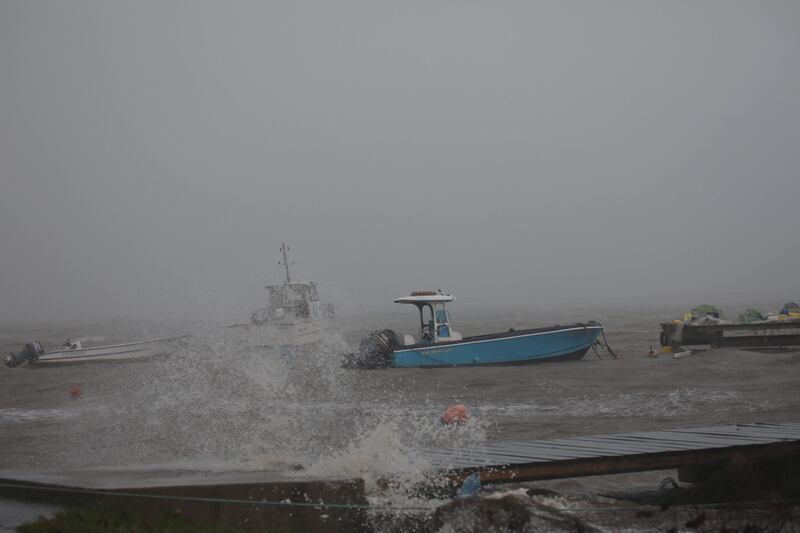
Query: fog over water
[153, 156]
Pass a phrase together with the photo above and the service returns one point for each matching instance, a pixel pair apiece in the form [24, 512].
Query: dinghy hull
[119, 352]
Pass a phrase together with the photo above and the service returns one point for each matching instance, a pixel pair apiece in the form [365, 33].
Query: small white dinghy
[74, 352]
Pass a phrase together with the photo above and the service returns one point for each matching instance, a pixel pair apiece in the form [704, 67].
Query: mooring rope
[369, 507]
[607, 346]
[597, 341]
[319, 505]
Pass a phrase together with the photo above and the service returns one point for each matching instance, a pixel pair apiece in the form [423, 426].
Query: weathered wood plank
[732, 435]
[726, 429]
[765, 431]
[635, 445]
[644, 444]
[542, 451]
[497, 458]
[605, 441]
[702, 439]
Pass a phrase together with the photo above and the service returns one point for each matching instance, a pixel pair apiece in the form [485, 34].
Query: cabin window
[276, 301]
[300, 294]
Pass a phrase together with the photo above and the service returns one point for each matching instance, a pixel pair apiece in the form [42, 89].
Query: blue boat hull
[512, 348]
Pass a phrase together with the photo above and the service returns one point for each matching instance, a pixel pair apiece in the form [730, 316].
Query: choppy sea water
[217, 404]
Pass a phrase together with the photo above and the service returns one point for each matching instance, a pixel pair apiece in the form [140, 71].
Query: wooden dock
[620, 453]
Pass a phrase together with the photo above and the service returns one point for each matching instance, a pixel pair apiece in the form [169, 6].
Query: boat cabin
[286, 301]
[433, 317]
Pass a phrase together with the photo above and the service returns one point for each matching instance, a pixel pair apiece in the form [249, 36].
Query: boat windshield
[291, 298]
[426, 322]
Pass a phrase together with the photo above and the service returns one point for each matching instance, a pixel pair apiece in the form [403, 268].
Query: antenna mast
[285, 249]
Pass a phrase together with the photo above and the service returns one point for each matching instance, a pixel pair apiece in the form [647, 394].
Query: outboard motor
[374, 351]
[31, 352]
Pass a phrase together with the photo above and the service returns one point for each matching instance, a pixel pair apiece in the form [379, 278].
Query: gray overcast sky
[153, 155]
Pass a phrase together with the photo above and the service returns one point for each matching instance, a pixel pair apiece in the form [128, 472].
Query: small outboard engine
[374, 351]
[30, 352]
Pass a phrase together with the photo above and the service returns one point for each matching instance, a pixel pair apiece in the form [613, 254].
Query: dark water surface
[217, 405]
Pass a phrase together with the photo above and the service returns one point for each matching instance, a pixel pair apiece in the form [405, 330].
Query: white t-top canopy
[418, 297]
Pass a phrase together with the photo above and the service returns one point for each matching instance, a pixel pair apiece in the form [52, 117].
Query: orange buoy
[455, 414]
[75, 392]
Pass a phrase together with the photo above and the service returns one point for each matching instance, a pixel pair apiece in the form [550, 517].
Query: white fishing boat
[73, 352]
[294, 315]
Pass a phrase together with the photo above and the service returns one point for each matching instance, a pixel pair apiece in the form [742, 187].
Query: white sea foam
[391, 449]
[12, 416]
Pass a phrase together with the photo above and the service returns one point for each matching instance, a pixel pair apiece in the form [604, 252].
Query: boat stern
[29, 353]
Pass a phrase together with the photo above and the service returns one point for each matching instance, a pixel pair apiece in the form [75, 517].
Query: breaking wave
[217, 404]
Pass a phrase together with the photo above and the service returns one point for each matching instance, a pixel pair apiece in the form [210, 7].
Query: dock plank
[643, 445]
[498, 458]
[762, 432]
[603, 447]
[697, 438]
[541, 451]
[691, 439]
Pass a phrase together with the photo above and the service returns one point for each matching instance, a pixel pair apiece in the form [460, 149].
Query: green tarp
[710, 310]
[750, 315]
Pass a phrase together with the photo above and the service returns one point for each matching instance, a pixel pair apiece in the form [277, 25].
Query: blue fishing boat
[439, 345]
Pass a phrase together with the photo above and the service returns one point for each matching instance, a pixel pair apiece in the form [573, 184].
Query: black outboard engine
[374, 351]
[31, 352]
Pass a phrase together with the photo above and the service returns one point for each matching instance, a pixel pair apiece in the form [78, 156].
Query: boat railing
[123, 345]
